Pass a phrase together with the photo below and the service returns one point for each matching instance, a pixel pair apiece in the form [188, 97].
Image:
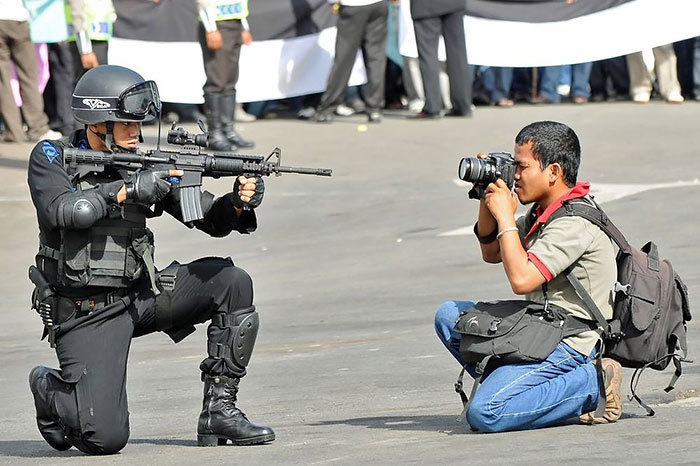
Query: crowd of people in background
[422, 87]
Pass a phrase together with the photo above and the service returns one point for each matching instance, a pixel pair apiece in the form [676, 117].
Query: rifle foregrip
[233, 166]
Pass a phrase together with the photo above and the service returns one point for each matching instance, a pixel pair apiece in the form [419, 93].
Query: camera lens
[471, 169]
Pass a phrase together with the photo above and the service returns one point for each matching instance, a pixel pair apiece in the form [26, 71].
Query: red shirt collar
[581, 189]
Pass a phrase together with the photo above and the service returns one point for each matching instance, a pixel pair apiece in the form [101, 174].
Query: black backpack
[651, 307]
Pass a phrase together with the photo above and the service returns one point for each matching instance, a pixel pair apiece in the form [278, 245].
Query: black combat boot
[228, 118]
[221, 420]
[216, 138]
[48, 427]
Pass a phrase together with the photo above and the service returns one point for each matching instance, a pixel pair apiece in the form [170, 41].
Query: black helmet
[114, 93]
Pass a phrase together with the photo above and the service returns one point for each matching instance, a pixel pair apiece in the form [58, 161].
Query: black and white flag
[554, 32]
[295, 39]
[292, 51]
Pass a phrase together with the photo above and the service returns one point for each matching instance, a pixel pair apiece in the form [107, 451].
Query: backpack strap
[591, 211]
[467, 400]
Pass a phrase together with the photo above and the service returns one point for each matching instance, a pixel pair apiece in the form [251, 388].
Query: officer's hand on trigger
[148, 186]
[214, 40]
[248, 192]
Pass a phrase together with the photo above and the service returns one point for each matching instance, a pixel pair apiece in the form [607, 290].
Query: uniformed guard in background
[224, 29]
[97, 286]
[90, 24]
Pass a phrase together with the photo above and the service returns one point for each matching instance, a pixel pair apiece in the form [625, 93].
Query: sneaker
[242, 115]
[323, 117]
[344, 110]
[641, 97]
[675, 98]
[374, 117]
[612, 372]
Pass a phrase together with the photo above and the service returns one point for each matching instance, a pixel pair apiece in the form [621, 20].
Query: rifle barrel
[304, 171]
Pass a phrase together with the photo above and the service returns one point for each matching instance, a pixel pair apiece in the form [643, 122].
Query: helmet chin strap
[108, 138]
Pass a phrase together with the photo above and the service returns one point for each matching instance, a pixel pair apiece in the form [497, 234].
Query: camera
[482, 172]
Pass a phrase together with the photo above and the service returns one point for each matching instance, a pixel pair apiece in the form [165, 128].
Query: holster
[52, 309]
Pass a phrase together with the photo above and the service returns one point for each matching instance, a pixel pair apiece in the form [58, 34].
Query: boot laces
[231, 396]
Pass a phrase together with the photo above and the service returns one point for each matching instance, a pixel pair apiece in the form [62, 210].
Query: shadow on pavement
[447, 424]
[33, 449]
[165, 441]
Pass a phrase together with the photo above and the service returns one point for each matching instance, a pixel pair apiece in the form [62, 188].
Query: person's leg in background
[61, 67]
[350, 27]
[19, 49]
[427, 38]
[374, 52]
[640, 81]
[8, 108]
[667, 73]
[549, 80]
[522, 84]
[458, 69]
[580, 73]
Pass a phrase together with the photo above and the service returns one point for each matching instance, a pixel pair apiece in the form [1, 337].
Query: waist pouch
[508, 332]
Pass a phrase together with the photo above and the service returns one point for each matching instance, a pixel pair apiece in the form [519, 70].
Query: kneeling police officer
[102, 289]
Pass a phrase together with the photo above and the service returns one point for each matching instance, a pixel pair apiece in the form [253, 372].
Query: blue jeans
[527, 395]
[497, 81]
[580, 73]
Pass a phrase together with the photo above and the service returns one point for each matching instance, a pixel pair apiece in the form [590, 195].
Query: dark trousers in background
[359, 27]
[59, 89]
[221, 66]
[89, 390]
[428, 31]
[99, 47]
[609, 78]
[16, 47]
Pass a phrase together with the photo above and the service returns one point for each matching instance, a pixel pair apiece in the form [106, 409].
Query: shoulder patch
[50, 150]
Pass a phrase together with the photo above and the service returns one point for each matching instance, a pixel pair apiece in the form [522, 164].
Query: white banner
[628, 28]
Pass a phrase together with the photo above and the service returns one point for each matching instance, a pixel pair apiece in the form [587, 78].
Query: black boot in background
[216, 138]
[221, 420]
[228, 117]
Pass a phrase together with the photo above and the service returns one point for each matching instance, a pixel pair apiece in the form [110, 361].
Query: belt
[87, 305]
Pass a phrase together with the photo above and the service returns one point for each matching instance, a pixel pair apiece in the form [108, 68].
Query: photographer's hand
[502, 203]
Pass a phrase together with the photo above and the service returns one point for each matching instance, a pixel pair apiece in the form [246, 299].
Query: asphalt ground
[348, 272]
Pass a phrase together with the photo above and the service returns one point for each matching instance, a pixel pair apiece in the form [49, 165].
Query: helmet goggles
[140, 100]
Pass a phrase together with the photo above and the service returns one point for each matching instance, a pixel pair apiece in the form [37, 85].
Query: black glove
[148, 186]
[256, 198]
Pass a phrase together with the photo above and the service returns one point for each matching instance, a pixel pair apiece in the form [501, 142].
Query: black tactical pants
[89, 391]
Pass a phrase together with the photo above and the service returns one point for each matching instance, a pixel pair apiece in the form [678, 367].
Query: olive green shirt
[573, 241]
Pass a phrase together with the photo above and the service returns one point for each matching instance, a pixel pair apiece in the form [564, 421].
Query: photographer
[531, 395]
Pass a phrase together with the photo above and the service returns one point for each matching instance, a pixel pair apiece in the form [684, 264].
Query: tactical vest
[231, 9]
[113, 253]
[99, 16]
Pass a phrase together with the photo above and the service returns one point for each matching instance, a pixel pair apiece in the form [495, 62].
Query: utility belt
[55, 309]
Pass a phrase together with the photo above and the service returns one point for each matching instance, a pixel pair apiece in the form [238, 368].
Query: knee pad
[244, 324]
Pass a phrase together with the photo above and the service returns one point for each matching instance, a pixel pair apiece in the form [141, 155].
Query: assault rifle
[194, 163]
